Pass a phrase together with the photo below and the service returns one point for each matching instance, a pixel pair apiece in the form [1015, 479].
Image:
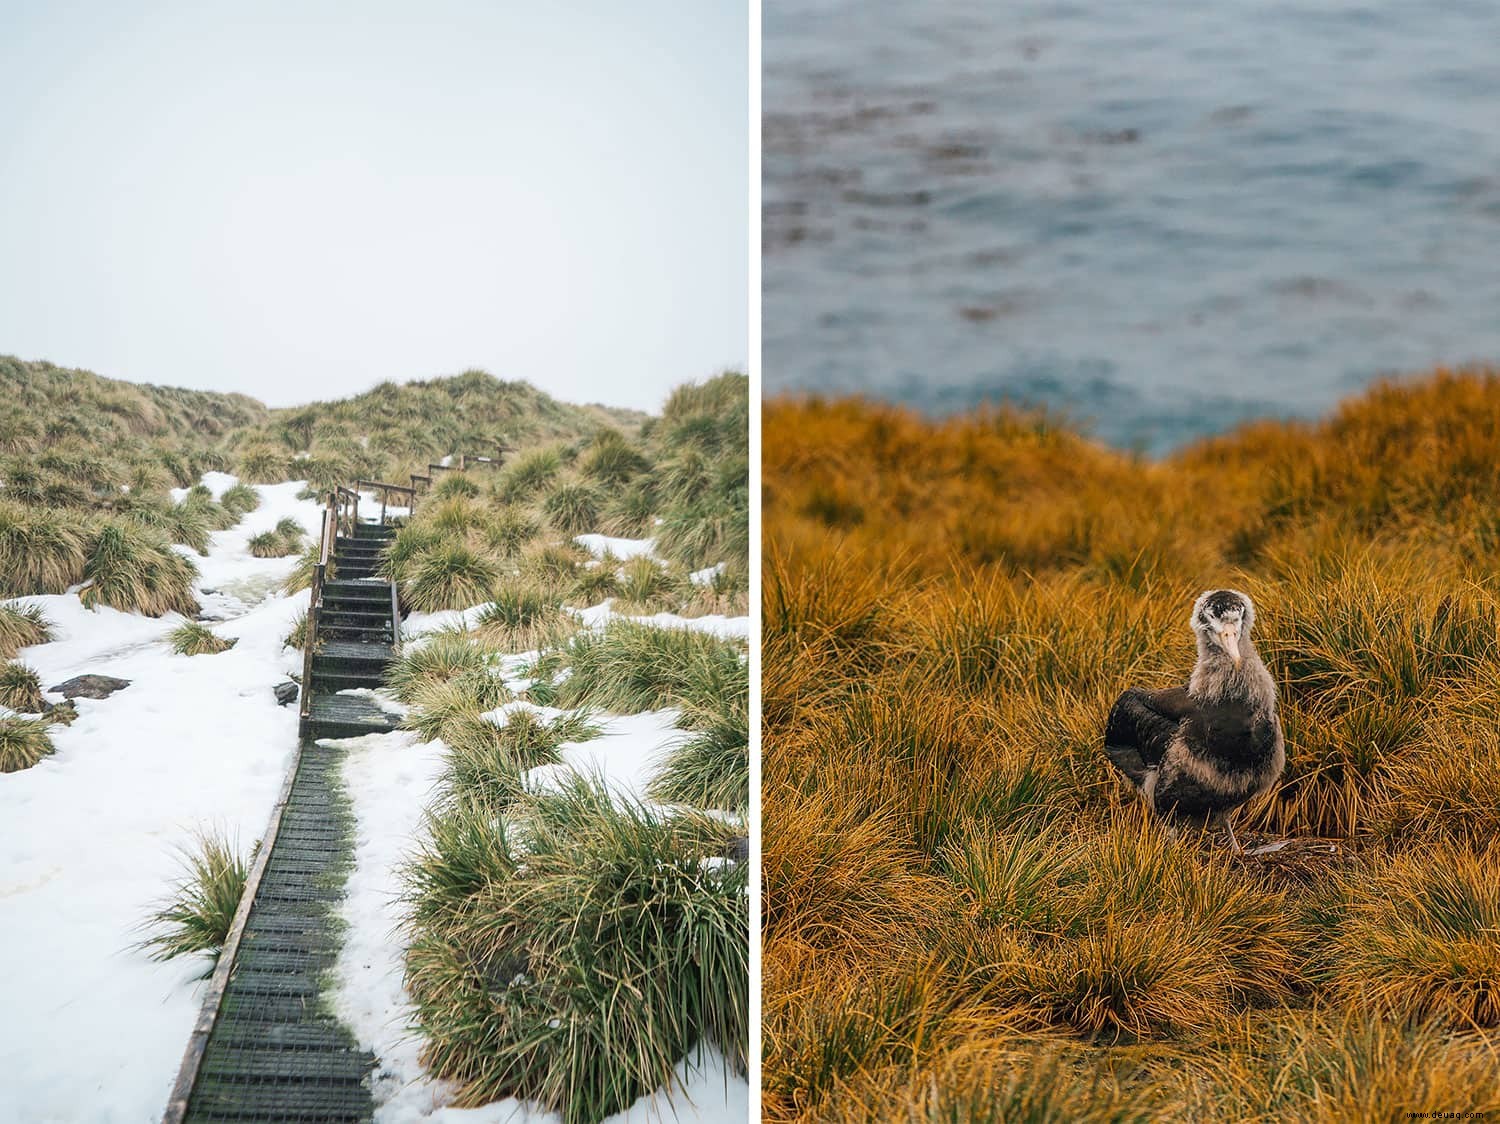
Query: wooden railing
[315, 602]
[386, 491]
[347, 503]
[465, 462]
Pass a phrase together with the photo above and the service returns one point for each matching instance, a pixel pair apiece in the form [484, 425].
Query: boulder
[286, 693]
[90, 687]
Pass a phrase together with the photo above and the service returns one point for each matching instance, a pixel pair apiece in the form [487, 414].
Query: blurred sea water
[1159, 218]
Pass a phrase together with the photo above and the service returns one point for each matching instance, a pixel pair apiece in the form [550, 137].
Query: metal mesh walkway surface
[274, 1051]
[266, 1047]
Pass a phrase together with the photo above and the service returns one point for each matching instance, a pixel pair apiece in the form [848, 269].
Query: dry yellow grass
[967, 917]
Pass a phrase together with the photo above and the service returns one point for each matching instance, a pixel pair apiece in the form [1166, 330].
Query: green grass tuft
[23, 742]
[435, 659]
[20, 688]
[41, 550]
[516, 992]
[21, 626]
[240, 500]
[198, 916]
[194, 639]
[628, 668]
[573, 508]
[523, 618]
[132, 570]
[450, 576]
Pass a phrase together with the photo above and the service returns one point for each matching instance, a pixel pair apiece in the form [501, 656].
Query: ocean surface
[1159, 218]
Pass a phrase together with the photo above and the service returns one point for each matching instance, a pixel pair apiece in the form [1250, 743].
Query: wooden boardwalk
[266, 1047]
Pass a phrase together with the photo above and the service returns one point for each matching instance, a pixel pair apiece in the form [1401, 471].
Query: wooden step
[347, 716]
[363, 590]
[355, 613]
[355, 632]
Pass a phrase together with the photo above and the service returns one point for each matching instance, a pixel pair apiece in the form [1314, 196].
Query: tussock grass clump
[439, 703]
[42, 550]
[989, 1082]
[194, 639]
[185, 523]
[553, 564]
[411, 542]
[1423, 940]
[949, 609]
[515, 990]
[131, 569]
[20, 688]
[239, 500]
[268, 544]
[301, 576]
[509, 530]
[201, 500]
[627, 668]
[287, 537]
[21, 626]
[455, 516]
[297, 637]
[524, 478]
[572, 508]
[630, 510]
[594, 585]
[710, 769]
[522, 618]
[23, 742]
[646, 586]
[455, 485]
[450, 577]
[264, 464]
[486, 761]
[200, 912]
[438, 658]
[611, 459]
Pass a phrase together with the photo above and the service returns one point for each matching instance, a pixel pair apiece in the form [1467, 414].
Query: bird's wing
[1171, 702]
[1140, 727]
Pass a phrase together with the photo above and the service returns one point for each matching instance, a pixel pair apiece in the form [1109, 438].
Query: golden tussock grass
[967, 916]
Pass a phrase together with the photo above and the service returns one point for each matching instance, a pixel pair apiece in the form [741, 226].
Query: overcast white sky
[298, 200]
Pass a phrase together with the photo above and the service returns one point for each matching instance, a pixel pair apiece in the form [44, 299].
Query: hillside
[397, 428]
[82, 454]
[75, 427]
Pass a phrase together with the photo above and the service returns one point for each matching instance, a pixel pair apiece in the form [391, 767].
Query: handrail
[348, 506]
[385, 489]
[315, 605]
[381, 484]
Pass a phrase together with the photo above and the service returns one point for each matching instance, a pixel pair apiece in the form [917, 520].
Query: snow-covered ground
[93, 1030]
[390, 779]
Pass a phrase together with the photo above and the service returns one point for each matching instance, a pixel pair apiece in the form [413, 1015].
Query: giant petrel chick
[1203, 750]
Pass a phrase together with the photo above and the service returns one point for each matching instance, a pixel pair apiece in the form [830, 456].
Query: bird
[1202, 751]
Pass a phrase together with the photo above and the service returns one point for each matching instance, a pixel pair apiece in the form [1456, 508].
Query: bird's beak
[1228, 636]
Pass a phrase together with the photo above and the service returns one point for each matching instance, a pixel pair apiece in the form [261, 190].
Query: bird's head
[1221, 618]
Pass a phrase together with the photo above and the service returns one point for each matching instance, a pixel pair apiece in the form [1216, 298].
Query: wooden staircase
[354, 630]
[265, 1046]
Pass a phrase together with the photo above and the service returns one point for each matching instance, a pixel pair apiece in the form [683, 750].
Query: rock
[90, 687]
[737, 849]
[286, 693]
